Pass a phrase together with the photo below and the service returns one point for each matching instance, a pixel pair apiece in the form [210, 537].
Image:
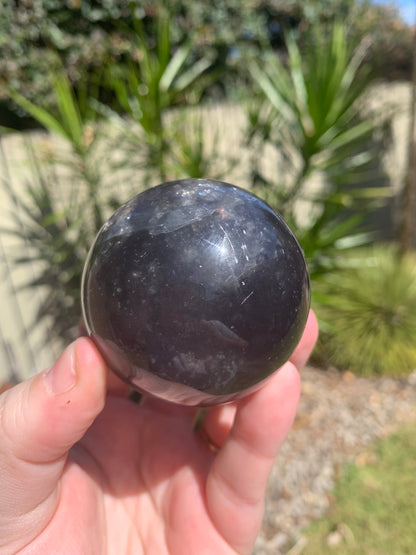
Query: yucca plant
[59, 244]
[53, 246]
[367, 310]
[310, 111]
[71, 192]
[62, 205]
[74, 120]
[192, 153]
[155, 80]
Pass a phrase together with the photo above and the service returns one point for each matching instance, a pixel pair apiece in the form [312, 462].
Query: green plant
[391, 39]
[32, 34]
[190, 154]
[70, 194]
[63, 205]
[367, 310]
[310, 114]
[374, 506]
[75, 121]
[157, 78]
[87, 33]
[53, 246]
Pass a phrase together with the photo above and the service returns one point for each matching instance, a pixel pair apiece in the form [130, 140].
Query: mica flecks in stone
[195, 291]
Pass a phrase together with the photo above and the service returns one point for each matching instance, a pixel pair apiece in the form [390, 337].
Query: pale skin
[84, 470]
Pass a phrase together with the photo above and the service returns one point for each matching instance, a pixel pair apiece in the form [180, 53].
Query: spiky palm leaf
[314, 119]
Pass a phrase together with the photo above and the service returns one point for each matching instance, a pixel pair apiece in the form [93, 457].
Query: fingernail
[62, 377]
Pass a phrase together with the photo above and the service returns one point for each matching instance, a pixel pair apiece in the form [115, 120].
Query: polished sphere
[195, 291]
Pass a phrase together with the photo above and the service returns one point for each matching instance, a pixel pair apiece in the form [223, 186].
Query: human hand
[84, 470]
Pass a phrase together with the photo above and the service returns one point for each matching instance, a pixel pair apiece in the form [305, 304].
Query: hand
[84, 470]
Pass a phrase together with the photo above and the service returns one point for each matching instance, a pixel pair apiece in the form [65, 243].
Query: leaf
[348, 136]
[40, 114]
[163, 40]
[356, 240]
[174, 66]
[69, 110]
[120, 90]
[6, 130]
[187, 78]
[273, 94]
[300, 87]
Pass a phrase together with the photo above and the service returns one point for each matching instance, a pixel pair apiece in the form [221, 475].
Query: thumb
[40, 420]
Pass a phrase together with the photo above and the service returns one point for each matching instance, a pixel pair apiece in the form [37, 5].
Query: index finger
[238, 477]
[305, 347]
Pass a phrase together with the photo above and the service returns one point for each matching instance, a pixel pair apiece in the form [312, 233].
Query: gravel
[339, 416]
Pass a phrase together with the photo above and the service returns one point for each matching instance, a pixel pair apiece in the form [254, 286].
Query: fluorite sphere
[195, 291]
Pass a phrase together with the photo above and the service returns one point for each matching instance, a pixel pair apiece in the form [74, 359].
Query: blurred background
[309, 104]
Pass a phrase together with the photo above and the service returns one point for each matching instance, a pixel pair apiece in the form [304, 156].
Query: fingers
[116, 386]
[40, 420]
[237, 481]
[219, 420]
[171, 409]
[305, 347]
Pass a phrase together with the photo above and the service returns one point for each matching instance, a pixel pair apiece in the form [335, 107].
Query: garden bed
[339, 417]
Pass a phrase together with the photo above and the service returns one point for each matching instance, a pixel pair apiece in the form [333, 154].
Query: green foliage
[367, 310]
[316, 112]
[309, 110]
[69, 120]
[54, 242]
[84, 34]
[63, 205]
[87, 34]
[148, 86]
[391, 47]
[189, 154]
[63, 214]
[373, 510]
[311, 114]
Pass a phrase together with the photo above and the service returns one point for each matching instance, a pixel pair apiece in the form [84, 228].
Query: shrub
[75, 188]
[62, 205]
[84, 34]
[88, 34]
[368, 312]
[310, 115]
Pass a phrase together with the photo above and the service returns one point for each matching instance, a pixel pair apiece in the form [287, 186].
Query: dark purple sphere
[195, 291]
